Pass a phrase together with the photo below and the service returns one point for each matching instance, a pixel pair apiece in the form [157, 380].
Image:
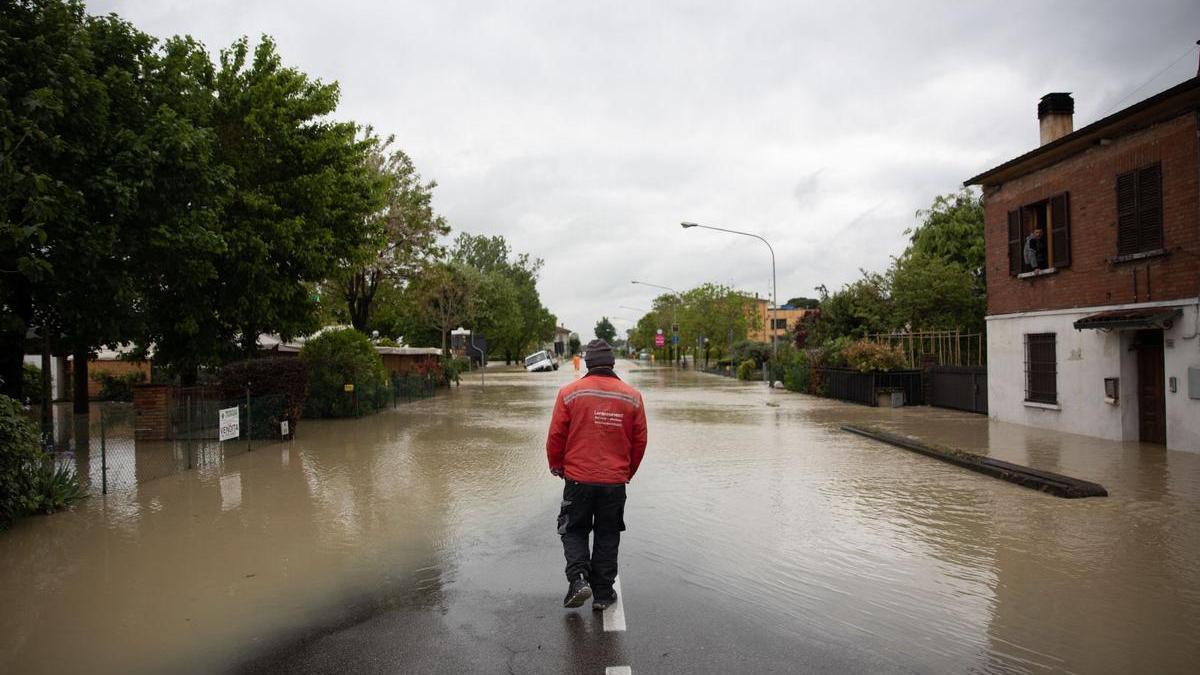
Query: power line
[1155, 77]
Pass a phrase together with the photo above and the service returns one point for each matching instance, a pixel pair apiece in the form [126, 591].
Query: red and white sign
[659, 340]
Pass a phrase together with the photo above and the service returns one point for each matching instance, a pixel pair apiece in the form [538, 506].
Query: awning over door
[1131, 319]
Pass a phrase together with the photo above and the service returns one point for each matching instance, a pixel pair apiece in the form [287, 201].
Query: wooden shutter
[1014, 242]
[1060, 230]
[1149, 208]
[1127, 214]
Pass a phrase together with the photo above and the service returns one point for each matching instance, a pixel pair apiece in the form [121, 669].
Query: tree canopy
[605, 330]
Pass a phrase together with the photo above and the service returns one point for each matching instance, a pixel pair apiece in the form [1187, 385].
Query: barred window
[1041, 368]
[780, 324]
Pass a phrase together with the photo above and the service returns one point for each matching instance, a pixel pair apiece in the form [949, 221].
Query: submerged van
[540, 361]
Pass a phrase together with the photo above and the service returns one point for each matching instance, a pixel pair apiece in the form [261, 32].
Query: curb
[1035, 479]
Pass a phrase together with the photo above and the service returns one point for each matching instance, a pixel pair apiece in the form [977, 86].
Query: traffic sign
[675, 339]
[659, 340]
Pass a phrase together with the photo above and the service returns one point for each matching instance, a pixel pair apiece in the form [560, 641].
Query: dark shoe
[577, 593]
[603, 600]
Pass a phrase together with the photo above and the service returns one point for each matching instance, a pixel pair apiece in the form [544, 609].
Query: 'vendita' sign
[230, 427]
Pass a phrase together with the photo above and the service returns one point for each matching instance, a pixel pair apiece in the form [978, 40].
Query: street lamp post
[774, 292]
[674, 304]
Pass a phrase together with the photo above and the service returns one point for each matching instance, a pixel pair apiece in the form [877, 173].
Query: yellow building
[786, 319]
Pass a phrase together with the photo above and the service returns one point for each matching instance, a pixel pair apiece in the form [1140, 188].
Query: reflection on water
[770, 512]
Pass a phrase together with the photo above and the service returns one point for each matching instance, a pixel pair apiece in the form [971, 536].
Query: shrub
[747, 370]
[29, 480]
[759, 352]
[830, 354]
[338, 358]
[281, 386]
[866, 356]
[56, 486]
[797, 373]
[117, 387]
[453, 368]
[31, 383]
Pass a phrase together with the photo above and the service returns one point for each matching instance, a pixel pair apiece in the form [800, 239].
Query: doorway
[1152, 399]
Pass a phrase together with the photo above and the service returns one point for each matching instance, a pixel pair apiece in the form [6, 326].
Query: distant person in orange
[575, 360]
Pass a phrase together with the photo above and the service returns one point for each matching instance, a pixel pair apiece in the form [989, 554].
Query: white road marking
[618, 670]
[614, 617]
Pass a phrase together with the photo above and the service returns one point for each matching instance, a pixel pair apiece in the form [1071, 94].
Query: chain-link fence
[413, 386]
[104, 451]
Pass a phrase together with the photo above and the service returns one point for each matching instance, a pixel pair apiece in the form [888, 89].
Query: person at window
[1035, 250]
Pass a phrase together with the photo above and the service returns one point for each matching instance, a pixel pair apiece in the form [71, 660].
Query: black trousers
[587, 509]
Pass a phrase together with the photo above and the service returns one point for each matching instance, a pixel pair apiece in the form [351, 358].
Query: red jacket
[598, 431]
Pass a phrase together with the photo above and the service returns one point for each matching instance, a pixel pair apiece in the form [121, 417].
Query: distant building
[783, 322]
[562, 338]
[1093, 269]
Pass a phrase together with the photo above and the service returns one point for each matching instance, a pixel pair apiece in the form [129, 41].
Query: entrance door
[1152, 399]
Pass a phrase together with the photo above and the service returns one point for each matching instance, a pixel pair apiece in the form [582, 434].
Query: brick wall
[151, 407]
[1090, 178]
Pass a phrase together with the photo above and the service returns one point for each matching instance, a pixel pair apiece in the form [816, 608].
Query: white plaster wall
[1183, 413]
[1085, 358]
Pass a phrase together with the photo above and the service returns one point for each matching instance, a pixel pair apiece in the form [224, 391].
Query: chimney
[1055, 112]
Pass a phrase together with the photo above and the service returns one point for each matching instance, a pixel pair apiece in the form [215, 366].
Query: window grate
[1041, 368]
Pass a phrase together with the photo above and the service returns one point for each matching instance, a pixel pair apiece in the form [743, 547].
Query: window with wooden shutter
[1015, 250]
[1139, 211]
[1041, 368]
[1149, 187]
[1060, 231]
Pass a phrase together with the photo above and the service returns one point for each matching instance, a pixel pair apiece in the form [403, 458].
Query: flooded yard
[757, 535]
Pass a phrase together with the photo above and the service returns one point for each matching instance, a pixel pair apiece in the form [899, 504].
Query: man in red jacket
[596, 442]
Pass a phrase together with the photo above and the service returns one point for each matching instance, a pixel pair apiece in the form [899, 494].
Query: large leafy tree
[510, 312]
[605, 330]
[289, 190]
[402, 234]
[929, 293]
[860, 308]
[79, 130]
[951, 229]
[446, 296]
[938, 283]
[714, 316]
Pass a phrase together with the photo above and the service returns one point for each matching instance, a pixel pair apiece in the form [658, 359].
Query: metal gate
[959, 387]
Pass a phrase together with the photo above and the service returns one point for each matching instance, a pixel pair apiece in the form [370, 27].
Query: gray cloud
[585, 132]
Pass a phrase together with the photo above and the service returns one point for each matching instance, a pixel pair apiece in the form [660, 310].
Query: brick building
[1093, 268]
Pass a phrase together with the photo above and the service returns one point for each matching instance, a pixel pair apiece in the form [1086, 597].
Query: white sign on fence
[229, 424]
[283, 428]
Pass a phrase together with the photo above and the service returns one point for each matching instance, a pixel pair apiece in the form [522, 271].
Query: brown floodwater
[768, 511]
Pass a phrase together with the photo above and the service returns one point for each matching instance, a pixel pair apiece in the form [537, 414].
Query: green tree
[929, 293]
[804, 303]
[605, 330]
[951, 229]
[511, 314]
[860, 308]
[402, 234]
[73, 142]
[713, 317]
[294, 197]
[445, 294]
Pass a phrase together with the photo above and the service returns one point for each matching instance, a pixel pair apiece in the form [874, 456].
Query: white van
[540, 361]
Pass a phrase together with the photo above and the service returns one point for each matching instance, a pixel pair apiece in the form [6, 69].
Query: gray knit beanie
[599, 355]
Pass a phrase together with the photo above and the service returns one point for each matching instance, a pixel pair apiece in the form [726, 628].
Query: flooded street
[760, 538]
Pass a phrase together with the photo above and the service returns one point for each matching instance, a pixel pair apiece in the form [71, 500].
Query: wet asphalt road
[760, 538]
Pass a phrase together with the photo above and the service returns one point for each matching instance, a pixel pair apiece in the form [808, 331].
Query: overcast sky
[584, 132]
